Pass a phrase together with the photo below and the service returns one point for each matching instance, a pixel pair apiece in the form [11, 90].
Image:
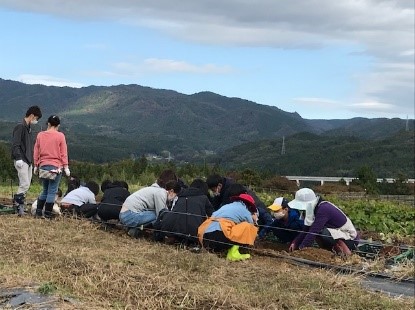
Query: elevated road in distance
[298, 179]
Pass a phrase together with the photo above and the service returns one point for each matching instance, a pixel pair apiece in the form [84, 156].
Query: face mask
[170, 196]
[34, 122]
[279, 215]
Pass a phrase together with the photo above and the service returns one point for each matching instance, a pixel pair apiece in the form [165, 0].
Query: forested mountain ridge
[159, 119]
[375, 128]
[311, 154]
[109, 123]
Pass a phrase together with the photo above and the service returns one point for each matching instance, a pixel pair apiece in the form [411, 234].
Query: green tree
[140, 165]
[7, 170]
[400, 185]
[250, 177]
[368, 180]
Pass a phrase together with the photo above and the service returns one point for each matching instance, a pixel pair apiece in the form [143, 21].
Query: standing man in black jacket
[22, 155]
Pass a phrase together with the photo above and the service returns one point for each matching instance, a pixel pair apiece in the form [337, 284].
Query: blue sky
[321, 58]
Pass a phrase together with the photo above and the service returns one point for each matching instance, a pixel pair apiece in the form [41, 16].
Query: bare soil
[6, 201]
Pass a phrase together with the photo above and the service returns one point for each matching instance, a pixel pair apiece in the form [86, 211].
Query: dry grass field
[109, 270]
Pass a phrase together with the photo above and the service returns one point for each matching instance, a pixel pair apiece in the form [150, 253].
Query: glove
[19, 163]
[292, 247]
[35, 170]
[67, 171]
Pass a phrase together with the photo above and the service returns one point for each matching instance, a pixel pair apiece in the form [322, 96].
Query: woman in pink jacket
[50, 158]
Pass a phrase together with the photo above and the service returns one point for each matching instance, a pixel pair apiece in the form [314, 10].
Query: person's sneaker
[20, 210]
[169, 240]
[39, 216]
[132, 232]
[135, 232]
[245, 256]
[195, 249]
[234, 255]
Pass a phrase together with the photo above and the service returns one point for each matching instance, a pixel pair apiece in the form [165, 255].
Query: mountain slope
[109, 123]
[376, 128]
[159, 119]
[310, 154]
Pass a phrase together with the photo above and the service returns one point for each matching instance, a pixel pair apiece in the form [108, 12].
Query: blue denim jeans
[50, 187]
[134, 219]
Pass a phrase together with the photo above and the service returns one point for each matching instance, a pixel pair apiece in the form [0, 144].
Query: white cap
[303, 197]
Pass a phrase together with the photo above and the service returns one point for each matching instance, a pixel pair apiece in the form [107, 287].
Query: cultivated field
[108, 270]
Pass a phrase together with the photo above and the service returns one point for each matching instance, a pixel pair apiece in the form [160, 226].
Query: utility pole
[283, 146]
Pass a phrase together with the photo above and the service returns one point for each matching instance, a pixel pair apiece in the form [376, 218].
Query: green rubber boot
[234, 255]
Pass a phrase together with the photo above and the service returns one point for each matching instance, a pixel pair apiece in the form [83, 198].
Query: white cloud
[383, 29]
[408, 53]
[315, 101]
[390, 83]
[373, 106]
[47, 80]
[156, 65]
[268, 22]
[369, 107]
[169, 65]
[377, 109]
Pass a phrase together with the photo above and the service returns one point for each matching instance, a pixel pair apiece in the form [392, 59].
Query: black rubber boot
[39, 207]
[48, 209]
[18, 203]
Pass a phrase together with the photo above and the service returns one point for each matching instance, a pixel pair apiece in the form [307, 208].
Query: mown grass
[109, 270]
[7, 190]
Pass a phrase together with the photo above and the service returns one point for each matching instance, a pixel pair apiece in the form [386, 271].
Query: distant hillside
[152, 119]
[377, 128]
[109, 123]
[310, 154]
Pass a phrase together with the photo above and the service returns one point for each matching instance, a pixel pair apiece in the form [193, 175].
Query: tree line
[141, 171]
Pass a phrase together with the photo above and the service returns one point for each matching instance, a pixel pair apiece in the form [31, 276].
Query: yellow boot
[234, 255]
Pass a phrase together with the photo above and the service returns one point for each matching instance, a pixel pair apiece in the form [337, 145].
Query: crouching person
[191, 208]
[287, 223]
[82, 200]
[324, 223]
[143, 206]
[114, 196]
[230, 227]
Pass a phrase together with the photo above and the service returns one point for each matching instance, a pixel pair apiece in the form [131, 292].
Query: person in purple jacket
[324, 223]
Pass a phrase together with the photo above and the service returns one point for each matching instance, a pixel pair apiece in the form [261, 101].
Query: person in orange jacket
[230, 227]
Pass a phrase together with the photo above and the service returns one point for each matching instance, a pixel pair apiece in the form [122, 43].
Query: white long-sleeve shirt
[79, 196]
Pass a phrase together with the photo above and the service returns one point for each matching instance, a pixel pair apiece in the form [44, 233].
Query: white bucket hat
[303, 197]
